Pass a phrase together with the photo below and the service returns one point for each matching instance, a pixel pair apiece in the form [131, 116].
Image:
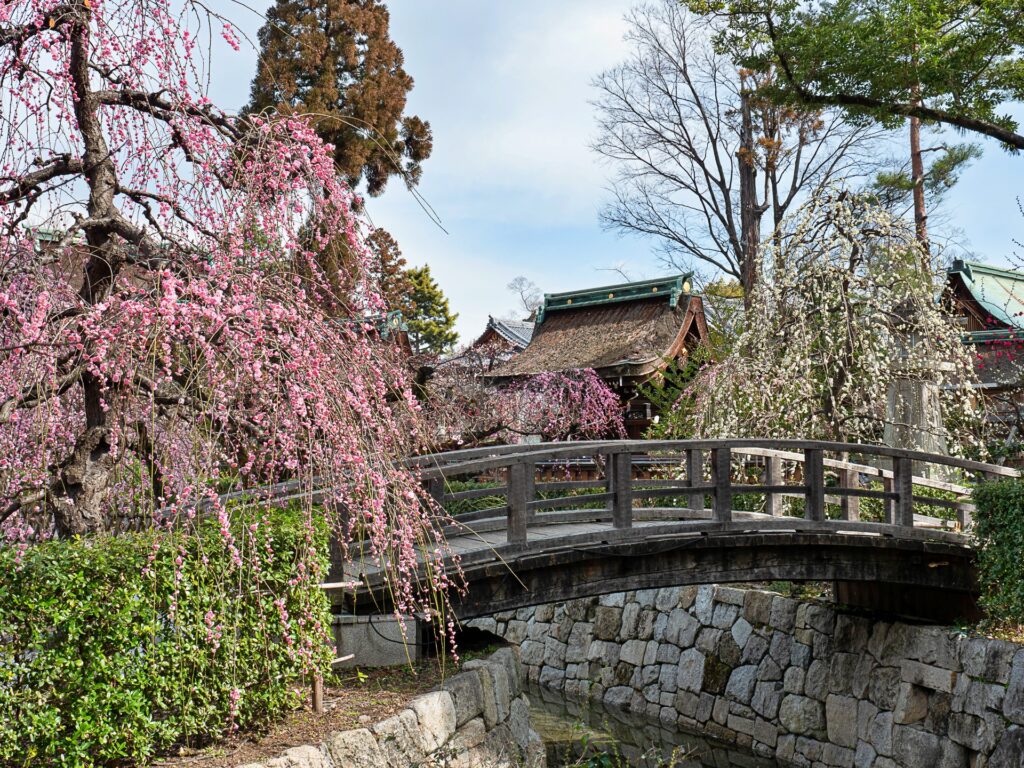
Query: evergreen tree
[335, 59]
[430, 319]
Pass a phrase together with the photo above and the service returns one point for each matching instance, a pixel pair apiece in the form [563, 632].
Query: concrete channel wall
[478, 718]
[797, 681]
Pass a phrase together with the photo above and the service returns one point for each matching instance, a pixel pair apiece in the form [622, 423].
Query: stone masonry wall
[479, 718]
[793, 680]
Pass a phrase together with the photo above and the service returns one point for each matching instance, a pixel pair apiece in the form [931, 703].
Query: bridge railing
[619, 475]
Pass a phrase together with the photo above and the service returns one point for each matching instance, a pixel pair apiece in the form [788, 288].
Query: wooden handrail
[621, 490]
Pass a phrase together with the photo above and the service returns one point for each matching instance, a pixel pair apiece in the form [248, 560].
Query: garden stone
[607, 621]
[704, 604]
[741, 630]
[927, 676]
[766, 699]
[435, 713]
[988, 659]
[632, 652]
[884, 687]
[707, 640]
[802, 716]
[1013, 704]
[880, 733]
[866, 713]
[667, 599]
[356, 748]
[757, 607]
[467, 694]
[768, 670]
[816, 682]
[913, 748]
[691, 670]
[741, 684]
[793, 680]
[842, 671]
[724, 616]
[754, 650]
[399, 739]
[841, 720]
[864, 756]
[681, 628]
[613, 600]
[667, 654]
[728, 651]
[911, 705]
[299, 757]
[1010, 752]
[645, 625]
[630, 620]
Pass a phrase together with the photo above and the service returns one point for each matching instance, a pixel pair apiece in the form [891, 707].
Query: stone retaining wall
[793, 680]
[479, 718]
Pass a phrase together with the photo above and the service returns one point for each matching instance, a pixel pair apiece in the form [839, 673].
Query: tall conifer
[335, 59]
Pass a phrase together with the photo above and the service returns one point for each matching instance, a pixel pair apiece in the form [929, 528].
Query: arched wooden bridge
[557, 521]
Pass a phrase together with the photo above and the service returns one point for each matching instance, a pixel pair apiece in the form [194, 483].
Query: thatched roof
[627, 330]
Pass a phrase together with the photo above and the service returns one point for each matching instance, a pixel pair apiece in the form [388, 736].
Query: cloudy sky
[506, 86]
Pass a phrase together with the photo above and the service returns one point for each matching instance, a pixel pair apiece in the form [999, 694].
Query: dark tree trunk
[917, 178]
[750, 211]
[80, 489]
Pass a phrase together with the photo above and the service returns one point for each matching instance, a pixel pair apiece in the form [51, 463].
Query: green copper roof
[999, 334]
[670, 287]
[999, 292]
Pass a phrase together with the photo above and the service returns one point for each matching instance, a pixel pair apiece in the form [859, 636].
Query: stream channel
[590, 735]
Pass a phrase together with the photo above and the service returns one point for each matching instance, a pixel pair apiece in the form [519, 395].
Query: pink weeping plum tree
[466, 408]
[165, 333]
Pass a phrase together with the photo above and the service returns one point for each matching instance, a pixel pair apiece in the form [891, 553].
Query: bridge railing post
[436, 489]
[814, 477]
[773, 476]
[721, 474]
[620, 477]
[850, 505]
[903, 486]
[521, 489]
[695, 476]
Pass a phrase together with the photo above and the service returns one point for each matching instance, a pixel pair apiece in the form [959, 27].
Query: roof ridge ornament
[675, 286]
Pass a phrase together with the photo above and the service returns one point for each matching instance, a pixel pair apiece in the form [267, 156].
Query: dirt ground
[353, 700]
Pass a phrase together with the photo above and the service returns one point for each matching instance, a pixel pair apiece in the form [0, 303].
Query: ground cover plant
[116, 648]
[999, 534]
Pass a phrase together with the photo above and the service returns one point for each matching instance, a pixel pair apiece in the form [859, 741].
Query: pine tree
[430, 319]
[335, 59]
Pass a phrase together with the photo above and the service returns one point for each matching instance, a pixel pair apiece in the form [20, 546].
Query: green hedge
[999, 533]
[108, 657]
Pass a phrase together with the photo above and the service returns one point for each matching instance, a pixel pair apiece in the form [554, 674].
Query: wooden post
[436, 488]
[903, 482]
[621, 476]
[721, 474]
[849, 505]
[695, 476]
[318, 694]
[773, 476]
[888, 505]
[814, 477]
[520, 493]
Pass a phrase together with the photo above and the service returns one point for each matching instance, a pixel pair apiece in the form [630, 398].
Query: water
[593, 736]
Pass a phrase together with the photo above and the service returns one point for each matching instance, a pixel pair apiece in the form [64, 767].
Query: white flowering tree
[846, 316]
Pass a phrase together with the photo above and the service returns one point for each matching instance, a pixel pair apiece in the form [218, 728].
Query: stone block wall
[797, 681]
[478, 718]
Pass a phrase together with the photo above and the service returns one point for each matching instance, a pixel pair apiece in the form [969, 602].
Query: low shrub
[114, 649]
[999, 535]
